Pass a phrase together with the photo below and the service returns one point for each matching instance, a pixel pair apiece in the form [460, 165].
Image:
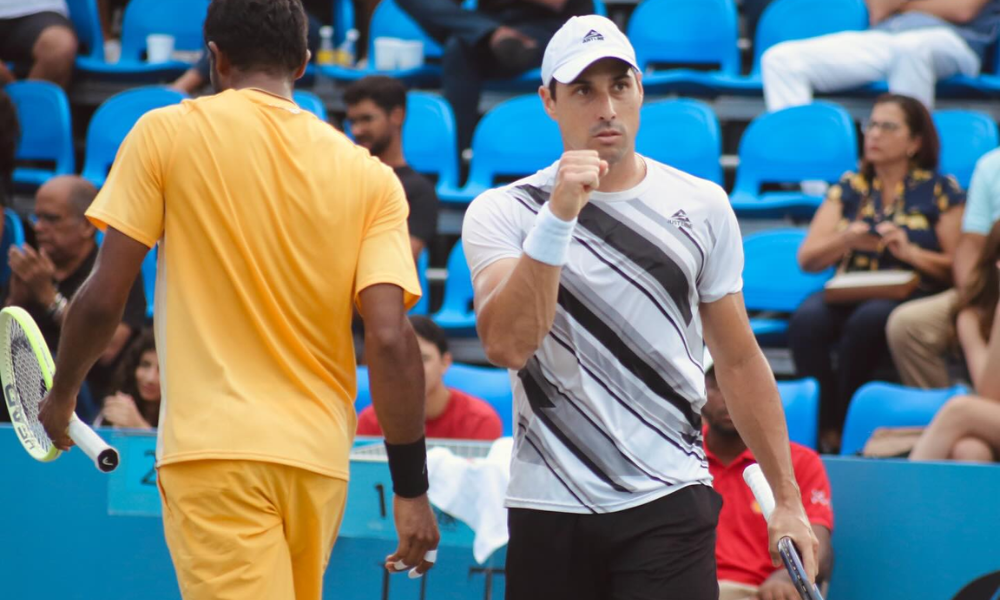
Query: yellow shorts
[240, 530]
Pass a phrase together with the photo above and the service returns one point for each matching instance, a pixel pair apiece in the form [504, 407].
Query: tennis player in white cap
[598, 280]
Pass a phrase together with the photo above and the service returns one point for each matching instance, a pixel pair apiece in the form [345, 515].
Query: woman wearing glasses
[896, 213]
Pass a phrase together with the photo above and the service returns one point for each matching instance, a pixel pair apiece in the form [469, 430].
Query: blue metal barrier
[903, 530]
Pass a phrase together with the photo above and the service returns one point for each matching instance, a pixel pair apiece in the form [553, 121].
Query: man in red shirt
[745, 570]
[449, 413]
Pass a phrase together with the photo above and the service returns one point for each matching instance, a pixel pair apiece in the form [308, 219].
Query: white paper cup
[411, 54]
[159, 48]
[387, 52]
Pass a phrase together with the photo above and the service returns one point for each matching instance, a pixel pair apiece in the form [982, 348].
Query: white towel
[473, 490]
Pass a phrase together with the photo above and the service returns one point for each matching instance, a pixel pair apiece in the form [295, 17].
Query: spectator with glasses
[44, 279]
[898, 212]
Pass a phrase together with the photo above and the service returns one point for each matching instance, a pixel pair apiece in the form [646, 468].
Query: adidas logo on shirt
[592, 35]
[680, 219]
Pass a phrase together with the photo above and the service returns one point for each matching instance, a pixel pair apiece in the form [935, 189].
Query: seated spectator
[744, 567]
[912, 44]
[10, 133]
[198, 76]
[450, 413]
[376, 108]
[968, 428]
[43, 281]
[136, 401]
[37, 35]
[920, 332]
[897, 213]
[500, 39]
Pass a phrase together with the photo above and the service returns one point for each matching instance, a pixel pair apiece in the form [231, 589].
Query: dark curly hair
[387, 93]
[10, 134]
[259, 35]
[125, 378]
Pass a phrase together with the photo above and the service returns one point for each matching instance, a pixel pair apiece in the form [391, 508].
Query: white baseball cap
[581, 42]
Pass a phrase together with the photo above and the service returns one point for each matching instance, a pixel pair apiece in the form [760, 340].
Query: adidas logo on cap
[593, 35]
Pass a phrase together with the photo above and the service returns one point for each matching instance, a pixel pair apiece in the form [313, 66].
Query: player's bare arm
[397, 385]
[90, 323]
[753, 401]
[516, 298]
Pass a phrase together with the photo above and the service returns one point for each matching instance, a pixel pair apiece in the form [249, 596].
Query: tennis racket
[789, 555]
[26, 369]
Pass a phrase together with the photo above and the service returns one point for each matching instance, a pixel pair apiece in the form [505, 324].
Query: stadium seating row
[47, 133]
[683, 46]
[682, 133]
[876, 404]
[773, 286]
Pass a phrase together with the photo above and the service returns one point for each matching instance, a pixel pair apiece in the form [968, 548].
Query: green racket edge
[42, 355]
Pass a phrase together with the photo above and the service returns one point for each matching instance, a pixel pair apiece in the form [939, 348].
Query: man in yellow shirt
[271, 224]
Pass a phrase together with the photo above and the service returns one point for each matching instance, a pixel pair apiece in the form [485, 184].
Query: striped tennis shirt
[607, 413]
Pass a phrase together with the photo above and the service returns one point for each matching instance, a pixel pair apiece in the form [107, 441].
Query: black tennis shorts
[663, 550]
[18, 35]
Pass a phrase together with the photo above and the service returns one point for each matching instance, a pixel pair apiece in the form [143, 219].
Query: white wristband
[548, 241]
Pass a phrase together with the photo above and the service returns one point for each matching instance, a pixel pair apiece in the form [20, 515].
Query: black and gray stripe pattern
[609, 407]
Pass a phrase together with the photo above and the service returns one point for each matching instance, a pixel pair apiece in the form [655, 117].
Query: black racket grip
[108, 460]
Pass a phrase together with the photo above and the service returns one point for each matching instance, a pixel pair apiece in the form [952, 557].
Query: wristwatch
[58, 305]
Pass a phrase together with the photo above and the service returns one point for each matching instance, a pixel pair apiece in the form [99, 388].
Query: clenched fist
[580, 173]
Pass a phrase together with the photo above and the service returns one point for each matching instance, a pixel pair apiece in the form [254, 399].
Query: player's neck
[725, 446]
[624, 174]
[264, 82]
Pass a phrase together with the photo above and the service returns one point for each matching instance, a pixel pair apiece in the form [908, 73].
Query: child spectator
[136, 401]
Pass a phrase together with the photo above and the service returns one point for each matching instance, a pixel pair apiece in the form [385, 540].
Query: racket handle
[761, 490]
[104, 456]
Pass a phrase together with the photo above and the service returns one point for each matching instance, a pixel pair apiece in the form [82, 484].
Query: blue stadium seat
[683, 34]
[800, 399]
[499, 148]
[456, 315]
[813, 142]
[343, 19]
[773, 282]
[966, 136]
[311, 102]
[149, 279]
[13, 235]
[182, 19]
[487, 383]
[364, 396]
[422, 307]
[683, 134]
[113, 120]
[987, 83]
[787, 20]
[878, 404]
[430, 139]
[599, 7]
[389, 20]
[46, 131]
[87, 23]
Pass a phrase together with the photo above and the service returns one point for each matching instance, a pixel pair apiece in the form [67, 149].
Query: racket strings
[29, 384]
